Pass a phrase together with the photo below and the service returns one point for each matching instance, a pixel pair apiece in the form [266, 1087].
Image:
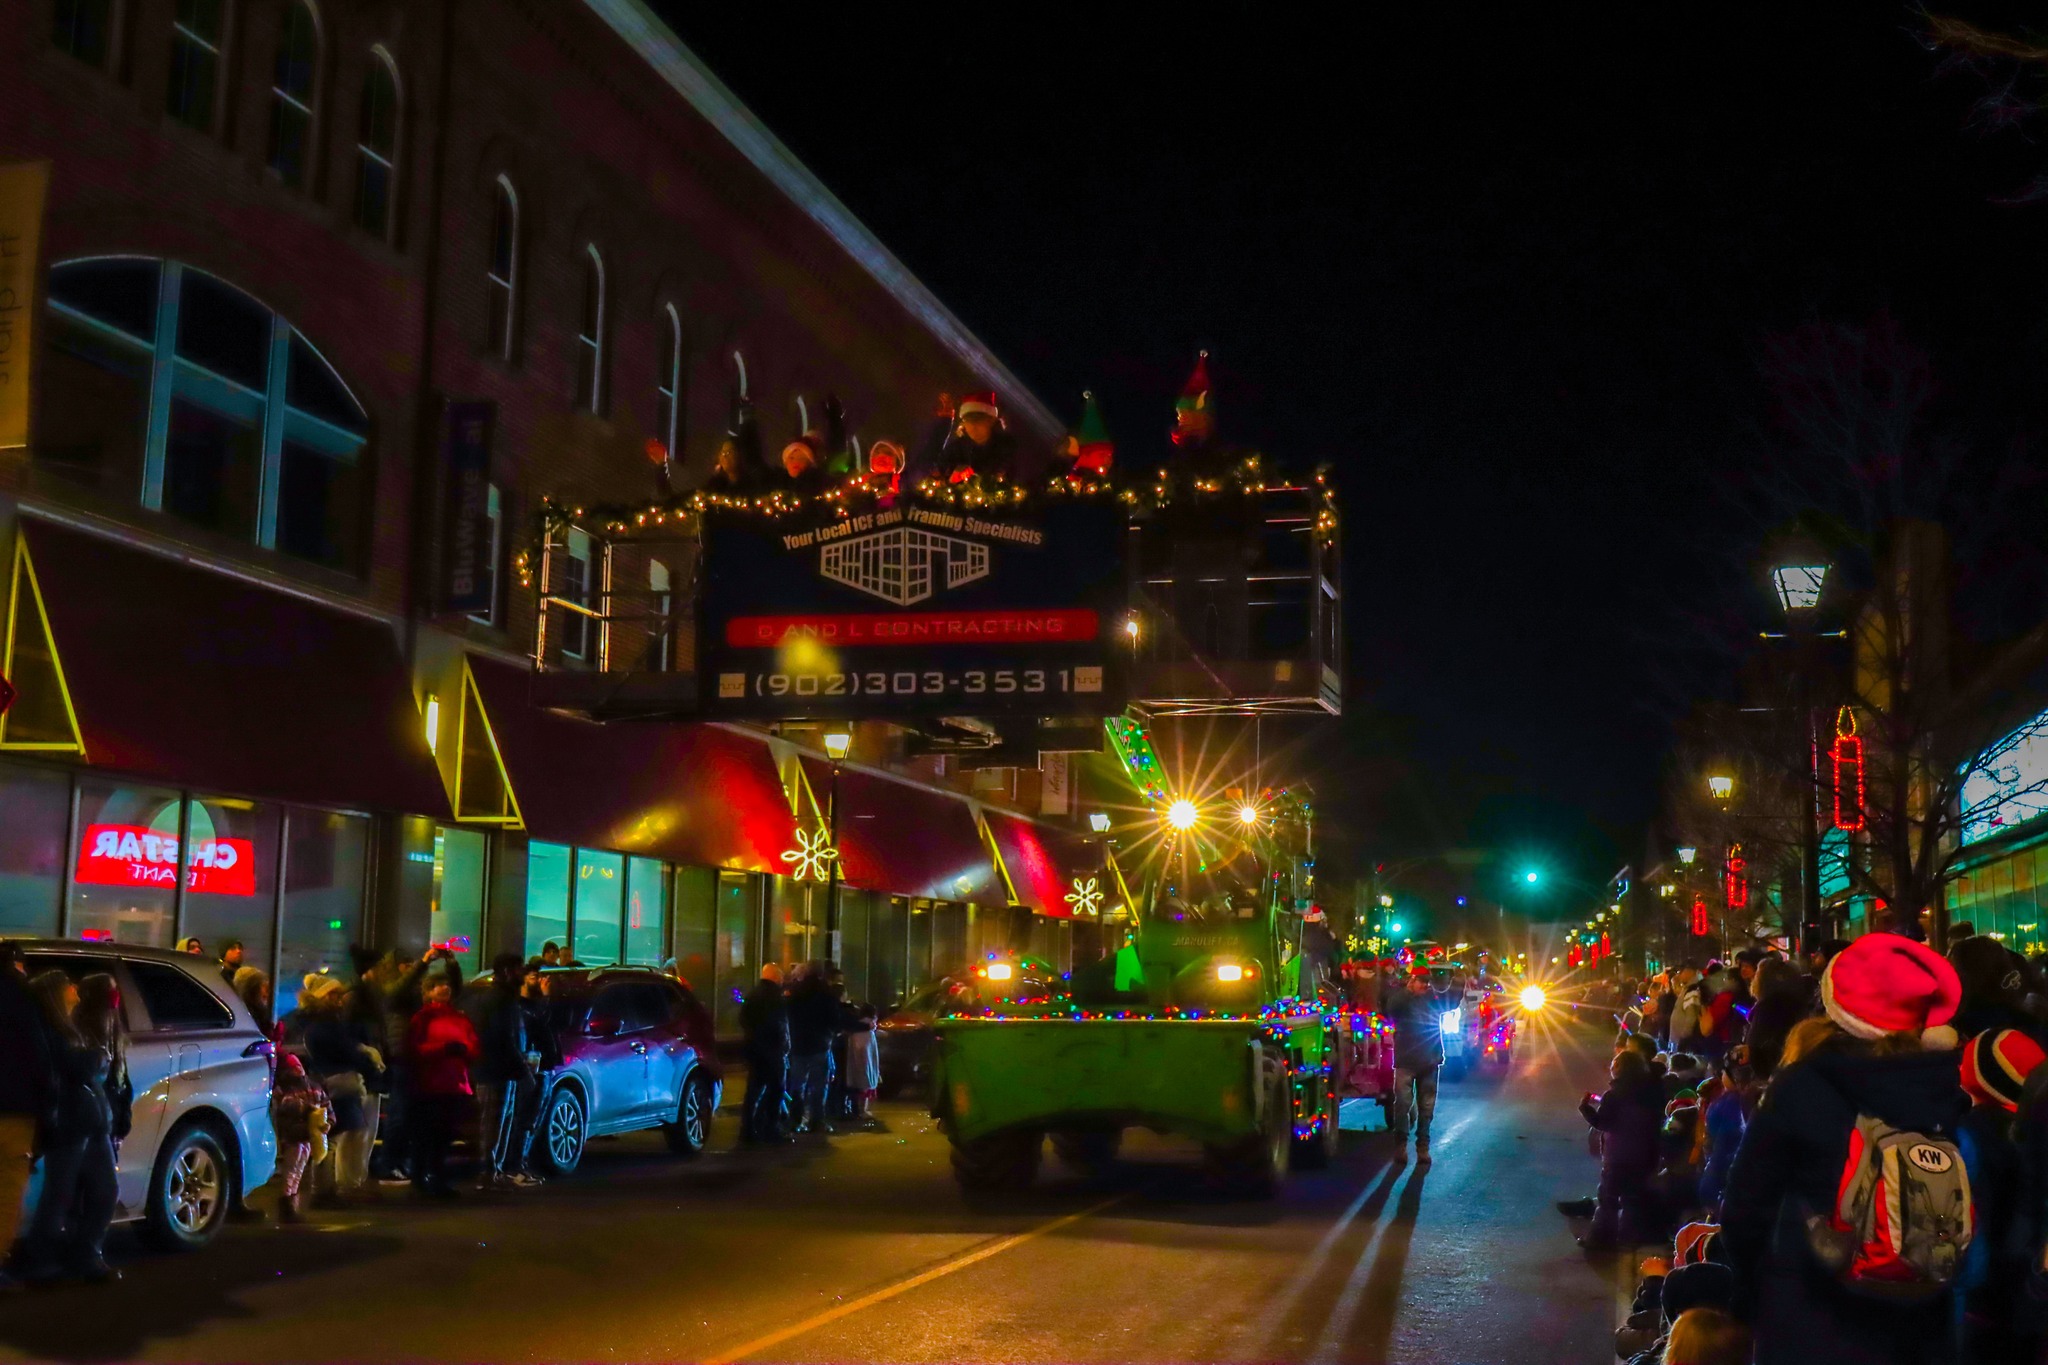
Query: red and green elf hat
[1194, 395]
[1093, 450]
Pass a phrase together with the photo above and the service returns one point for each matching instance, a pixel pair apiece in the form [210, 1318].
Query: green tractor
[1197, 1027]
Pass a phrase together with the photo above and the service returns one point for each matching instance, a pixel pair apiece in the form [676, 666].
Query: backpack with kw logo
[1902, 1216]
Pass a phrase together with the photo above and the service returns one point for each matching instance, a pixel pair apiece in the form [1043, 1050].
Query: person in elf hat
[885, 471]
[1318, 949]
[1995, 1068]
[1889, 1054]
[968, 440]
[803, 475]
[1088, 451]
[1202, 457]
[738, 470]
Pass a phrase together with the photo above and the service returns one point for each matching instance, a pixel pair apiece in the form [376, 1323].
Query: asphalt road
[858, 1247]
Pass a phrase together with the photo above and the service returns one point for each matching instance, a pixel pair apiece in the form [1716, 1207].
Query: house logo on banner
[902, 566]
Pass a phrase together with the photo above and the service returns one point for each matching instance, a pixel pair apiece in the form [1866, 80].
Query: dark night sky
[1509, 273]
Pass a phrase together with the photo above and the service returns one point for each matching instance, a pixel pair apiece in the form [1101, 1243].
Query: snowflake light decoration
[1086, 897]
[812, 858]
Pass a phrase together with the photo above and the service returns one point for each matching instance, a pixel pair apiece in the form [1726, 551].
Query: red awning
[1044, 863]
[906, 839]
[696, 794]
[194, 678]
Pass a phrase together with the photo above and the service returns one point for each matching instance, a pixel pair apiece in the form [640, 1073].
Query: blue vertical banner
[470, 579]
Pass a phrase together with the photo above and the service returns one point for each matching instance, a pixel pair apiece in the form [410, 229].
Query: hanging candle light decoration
[1701, 925]
[1572, 958]
[1606, 947]
[1738, 878]
[1847, 756]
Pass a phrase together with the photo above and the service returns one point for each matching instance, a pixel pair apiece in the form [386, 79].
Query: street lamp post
[1799, 586]
[837, 744]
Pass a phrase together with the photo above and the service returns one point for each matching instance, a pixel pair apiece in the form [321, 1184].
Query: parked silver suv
[201, 1068]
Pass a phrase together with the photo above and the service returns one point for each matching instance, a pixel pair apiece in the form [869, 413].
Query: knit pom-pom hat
[1887, 983]
[1996, 1064]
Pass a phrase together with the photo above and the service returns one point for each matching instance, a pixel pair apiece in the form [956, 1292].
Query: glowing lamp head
[999, 971]
[1182, 814]
[1799, 585]
[1099, 821]
[1229, 971]
[838, 743]
[1247, 815]
[1721, 785]
[1533, 997]
[1131, 627]
[1688, 856]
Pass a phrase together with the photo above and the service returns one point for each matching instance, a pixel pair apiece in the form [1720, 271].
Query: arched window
[170, 383]
[590, 375]
[377, 146]
[291, 93]
[198, 33]
[502, 279]
[668, 382]
[83, 28]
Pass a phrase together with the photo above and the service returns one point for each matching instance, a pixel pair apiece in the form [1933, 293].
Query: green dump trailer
[1193, 1029]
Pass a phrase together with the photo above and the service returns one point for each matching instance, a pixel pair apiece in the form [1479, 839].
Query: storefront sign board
[470, 576]
[133, 855]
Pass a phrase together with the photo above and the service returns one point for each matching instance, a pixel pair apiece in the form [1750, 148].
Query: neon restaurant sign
[132, 855]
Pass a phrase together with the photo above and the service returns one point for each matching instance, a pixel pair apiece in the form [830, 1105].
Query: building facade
[327, 296]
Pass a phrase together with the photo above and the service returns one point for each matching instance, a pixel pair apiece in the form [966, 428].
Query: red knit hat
[1996, 1064]
[1887, 983]
[983, 404]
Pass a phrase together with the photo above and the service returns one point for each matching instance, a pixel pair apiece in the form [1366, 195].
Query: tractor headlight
[1229, 971]
[1452, 1020]
[1000, 971]
[1533, 997]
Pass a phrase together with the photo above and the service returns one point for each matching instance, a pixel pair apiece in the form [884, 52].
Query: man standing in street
[813, 1024]
[1418, 1056]
[28, 1093]
[764, 1018]
[503, 1072]
[545, 1052]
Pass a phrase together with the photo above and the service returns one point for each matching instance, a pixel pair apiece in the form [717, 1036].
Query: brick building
[282, 242]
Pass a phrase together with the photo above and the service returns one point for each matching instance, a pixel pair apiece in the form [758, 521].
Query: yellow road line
[830, 1315]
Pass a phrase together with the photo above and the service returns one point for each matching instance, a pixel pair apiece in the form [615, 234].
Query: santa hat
[1996, 1064]
[1887, 983]
[1313, 915]
[1093, 449]
[979, 404]
[1194, 395]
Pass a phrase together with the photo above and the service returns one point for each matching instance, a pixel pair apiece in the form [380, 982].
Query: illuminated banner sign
[130, 855]
[913, 610]
[466, 452]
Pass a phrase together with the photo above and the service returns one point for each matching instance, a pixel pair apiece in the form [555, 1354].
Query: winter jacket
[442, 1044]
[764, 1017]
[814, 1019]
[401, 1001]
[1789, 1164]
[1769, 1025]
[501, 1030]
[1418, 1030]
[540, 1031]
[335, 1043]
[1725, 1121]
[28, 1064]
[83, 1111]
[1685, 1020]
[1632, 1117]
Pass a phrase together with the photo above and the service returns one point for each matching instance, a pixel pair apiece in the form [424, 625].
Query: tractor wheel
[1004, 1161]
[1254, 1165]
[1318, 1150]
[1086, 1151]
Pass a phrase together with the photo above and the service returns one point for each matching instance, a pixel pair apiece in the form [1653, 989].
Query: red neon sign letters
[130, 855]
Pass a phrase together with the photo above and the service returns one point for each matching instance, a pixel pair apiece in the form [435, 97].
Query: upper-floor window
[377, 146]
[668, 380]
[590, 334]
[169, 385]
[83, 28]
[494, 512]
[502, 279]
[576, 588]
[198, 34]
[658, 587]
[291, 93]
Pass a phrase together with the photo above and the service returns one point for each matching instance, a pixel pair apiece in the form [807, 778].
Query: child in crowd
[1628, 1118]
[1706, 1336]
[863, 1062]
[298, 1113]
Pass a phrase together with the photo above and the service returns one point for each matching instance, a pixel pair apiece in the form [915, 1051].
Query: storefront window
[888, 923]
[231, 877]
[326, 858]
[918, 969]
[646, 912]
[547, 896]
[35, 805]
[456, 919]
[795, 917]
[853, 941]
[600, 887]
[738, 953]
[125, 871]
[949, 939]
[696, 914]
